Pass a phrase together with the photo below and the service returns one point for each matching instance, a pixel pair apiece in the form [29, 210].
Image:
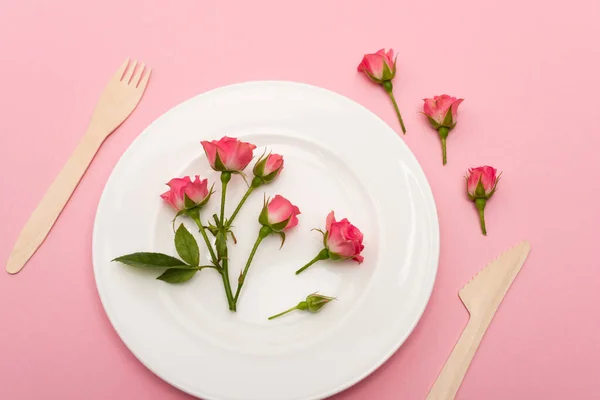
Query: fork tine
[137, 75]
[129, 72]
[121, 70]
[144, 81]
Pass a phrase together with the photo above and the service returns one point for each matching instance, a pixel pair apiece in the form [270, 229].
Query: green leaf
[263, 218]
[186, 246]
[153, 260]
[176, 275]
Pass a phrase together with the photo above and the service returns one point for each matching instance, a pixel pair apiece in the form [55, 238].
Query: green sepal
[219, 166]
[280, 226]
[282, 234]
[448, 123]
[433, 122]
[259, 167]
[263, 218]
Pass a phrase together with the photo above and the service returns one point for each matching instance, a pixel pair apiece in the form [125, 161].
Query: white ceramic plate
[338, 155]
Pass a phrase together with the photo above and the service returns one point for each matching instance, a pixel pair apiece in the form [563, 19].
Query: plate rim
[431, 206]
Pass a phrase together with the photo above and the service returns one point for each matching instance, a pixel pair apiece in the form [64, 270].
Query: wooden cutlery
[116, 103]
[481, 296]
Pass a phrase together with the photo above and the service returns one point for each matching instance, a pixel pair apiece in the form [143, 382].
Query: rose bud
[316, 301]
[279, 214]
[342, 240]
[481, 185]
[441, 112]
[267, 169]
[380, 67]
[185, 193]
[313, 303]
[228, 154]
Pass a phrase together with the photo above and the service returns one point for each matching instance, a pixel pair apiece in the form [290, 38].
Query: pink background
[529, 73]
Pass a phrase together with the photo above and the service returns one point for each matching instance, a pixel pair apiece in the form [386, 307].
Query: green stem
[225, 178]
[225, 275]
[443, 132]
[239, 206]
[387, 85]
[283, 313]
[196, 218]
[323, 255]
[480, 204]
[264, 232]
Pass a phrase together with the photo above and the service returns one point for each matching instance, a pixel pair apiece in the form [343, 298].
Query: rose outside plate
[338, 156]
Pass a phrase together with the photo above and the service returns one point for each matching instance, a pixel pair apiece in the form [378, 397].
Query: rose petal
[330, 220]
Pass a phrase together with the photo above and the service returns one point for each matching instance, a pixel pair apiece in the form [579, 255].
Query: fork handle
[44, 216]
[451, 377]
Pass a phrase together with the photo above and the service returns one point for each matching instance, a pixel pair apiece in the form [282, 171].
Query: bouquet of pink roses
[188, 196]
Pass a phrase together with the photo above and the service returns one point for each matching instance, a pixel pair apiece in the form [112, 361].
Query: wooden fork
[116, 103]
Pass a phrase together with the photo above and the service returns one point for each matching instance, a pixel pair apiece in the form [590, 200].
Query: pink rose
[485, 175]
[279, 214]
[481, 185]
[343, 240]
[228, 154]
[441, 112]
[268, 168]
[379, 67]
[185, 193]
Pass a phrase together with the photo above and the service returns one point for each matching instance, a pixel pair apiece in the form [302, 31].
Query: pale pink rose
[268, 168]
[343, 240]
[228, 154]
[196, 191]
[279, 214]
[487, 176]
[379, 67]
[437, 109]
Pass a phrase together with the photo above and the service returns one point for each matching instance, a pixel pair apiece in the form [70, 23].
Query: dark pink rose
[268, 168]
[481, 185]
[343, 240]
[228, 154]
[442, 110]
[380, 66]
[184, 193]
[486, 176]
[279, 214]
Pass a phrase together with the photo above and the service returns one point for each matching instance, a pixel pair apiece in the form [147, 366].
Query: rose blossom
[184, 193]
[441, 111]
[481, 185]
[228, 154]
[342, 240]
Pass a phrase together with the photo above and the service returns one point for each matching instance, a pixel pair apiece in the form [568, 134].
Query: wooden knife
[481, 296]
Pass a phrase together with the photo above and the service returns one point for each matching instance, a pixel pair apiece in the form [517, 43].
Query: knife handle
[44, 216]
[451, 377]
